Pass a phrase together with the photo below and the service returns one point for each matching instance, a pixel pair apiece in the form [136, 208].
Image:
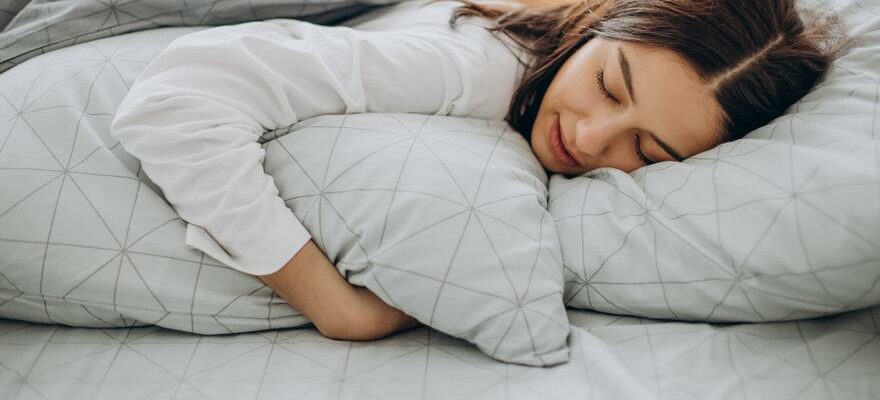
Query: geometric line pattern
[433, 214]
[41, 26]
[612, 357]
[86, 239]
[56, 156]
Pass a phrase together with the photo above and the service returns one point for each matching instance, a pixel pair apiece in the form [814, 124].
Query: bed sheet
[612, 358]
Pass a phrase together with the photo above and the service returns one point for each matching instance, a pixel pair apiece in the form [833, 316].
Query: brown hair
[759, 55]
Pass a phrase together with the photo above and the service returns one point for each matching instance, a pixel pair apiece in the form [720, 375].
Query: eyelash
[639, 152]
[600, 81]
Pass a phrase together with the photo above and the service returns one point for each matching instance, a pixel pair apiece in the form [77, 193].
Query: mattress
[612, 357]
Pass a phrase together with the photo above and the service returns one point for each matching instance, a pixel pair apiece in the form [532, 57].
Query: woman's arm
[312, 285]
[195, 114]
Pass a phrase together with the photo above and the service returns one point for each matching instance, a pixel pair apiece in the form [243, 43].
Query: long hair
[759, 56]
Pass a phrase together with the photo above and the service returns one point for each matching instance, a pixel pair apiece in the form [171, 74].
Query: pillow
[442, 217]
[780, 225]
[44, 25]
[85, 238]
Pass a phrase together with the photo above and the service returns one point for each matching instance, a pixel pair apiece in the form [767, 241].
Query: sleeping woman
[589, 83]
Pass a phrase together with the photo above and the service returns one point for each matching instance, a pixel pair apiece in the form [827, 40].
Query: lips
[558, 148]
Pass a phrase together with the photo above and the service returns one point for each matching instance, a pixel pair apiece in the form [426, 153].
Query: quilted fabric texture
[443, 217]
[779, 226]
[40, 26]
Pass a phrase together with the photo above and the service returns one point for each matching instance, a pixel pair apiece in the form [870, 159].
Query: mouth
[557, 146]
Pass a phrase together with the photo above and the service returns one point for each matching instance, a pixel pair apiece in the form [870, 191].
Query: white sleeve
[195, 113]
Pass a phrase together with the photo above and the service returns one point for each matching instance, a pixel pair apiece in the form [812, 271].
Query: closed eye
[600, 82]
[638, 143]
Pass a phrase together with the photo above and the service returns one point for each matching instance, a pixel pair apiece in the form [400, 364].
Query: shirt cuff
[285, 241]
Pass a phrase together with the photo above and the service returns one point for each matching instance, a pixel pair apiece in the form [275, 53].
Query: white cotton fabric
[194, 115]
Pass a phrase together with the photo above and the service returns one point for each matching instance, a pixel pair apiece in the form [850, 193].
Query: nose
[595, 137]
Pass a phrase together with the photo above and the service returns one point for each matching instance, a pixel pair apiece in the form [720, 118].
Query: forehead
[672, 99]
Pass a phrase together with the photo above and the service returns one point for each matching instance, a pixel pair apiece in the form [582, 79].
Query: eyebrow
[627, 78]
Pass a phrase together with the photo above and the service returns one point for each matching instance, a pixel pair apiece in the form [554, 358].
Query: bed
[612, 358]
[800, 327]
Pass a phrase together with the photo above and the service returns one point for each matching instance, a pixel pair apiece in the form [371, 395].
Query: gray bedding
[611, 358]
[58, 108]
[34, 27]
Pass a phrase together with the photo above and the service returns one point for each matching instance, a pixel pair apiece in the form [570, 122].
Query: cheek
[574, 84]
[574, 97]
[555, 94]
[539, 140]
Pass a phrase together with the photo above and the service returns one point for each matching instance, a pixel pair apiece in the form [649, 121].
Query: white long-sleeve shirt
[194, 115]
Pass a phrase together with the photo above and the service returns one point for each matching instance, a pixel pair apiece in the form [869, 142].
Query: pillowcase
[444, 218]
[85, 238]
[40, 26]
[780, 225]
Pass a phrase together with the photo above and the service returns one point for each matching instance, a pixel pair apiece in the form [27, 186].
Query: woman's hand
[310, 283]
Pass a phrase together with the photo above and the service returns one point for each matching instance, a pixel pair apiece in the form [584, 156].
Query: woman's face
[623, 105]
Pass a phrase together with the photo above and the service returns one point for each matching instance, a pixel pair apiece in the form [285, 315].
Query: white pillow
[781, 225]
[442, 217]
[85, 238]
